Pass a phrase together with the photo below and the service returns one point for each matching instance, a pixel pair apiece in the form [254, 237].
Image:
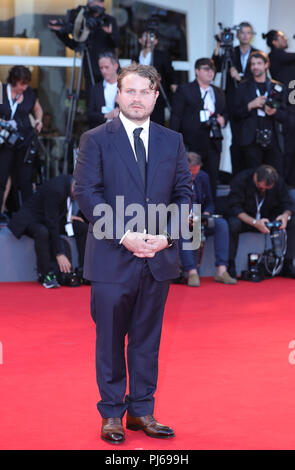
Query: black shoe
[50, 281]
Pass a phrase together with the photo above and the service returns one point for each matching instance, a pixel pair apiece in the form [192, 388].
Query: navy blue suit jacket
[106, 167]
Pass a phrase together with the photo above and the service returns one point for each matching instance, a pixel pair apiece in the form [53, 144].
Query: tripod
[74, 94]
[227, 63]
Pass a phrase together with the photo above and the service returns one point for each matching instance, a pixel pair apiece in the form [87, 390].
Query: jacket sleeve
[95, 116]
[236, 198]
[52, 219]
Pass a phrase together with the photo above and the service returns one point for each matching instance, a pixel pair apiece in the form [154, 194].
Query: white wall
[282, 17]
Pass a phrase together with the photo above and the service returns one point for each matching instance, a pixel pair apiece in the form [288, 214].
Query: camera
[227, 37]
[263, 137]
[274, 98]
[71, 279]
[215, 129]
[9, 134]
[275, 232]
[94, 16]
[255, 271]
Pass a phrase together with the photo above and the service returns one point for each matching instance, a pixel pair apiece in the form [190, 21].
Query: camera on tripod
[9, 134]
[93, 15]
[226, 36]
[274, 98]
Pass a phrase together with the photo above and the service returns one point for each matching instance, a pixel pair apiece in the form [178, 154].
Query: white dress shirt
[209, 102]
[129, 127]
[145, 60]
[110, 93]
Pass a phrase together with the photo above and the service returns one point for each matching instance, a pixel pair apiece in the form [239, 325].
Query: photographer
[260, 107]
[203, 196]
[103, 36]
[239, 70]
[103, 96]
[198, 111]
[19, 101]
[150, 54]
[257, 197]
[282, 68]
[43, 217]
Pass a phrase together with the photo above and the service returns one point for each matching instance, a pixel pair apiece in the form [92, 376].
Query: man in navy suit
[146, 164]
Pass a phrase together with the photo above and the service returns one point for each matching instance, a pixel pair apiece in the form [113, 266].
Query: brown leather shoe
[150, 426]
[112, 430]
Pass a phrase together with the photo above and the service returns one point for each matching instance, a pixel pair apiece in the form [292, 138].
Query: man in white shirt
[103, 103]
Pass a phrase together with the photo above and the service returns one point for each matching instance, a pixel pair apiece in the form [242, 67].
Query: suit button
[147, 199]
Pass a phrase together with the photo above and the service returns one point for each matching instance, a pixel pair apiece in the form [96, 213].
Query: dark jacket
[47, 206]
[105, 169]
[230, 83]
[242, 197]
[249, 119]
[96, 101]
[282, 65]
[185, 115]
[203, 193]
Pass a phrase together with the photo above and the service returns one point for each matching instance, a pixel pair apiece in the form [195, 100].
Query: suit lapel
[124, 149]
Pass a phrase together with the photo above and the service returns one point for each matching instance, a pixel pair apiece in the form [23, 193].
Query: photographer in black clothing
[44, 217]
[282, 68]
[260, 106]
[198, 111]
[239, 71]
[150, 54]
[256, 197]
[101, 38]
[19, 101]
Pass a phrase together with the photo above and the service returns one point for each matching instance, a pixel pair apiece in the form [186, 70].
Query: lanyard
[12, 103]
[259, 205]
[70, 209]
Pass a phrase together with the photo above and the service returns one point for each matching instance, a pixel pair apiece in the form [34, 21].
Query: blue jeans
[188, 258]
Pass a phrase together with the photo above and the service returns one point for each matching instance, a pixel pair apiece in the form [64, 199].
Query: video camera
[227, 37]
[9, 134]
[274, 98]
[94, 17]
[269, 263]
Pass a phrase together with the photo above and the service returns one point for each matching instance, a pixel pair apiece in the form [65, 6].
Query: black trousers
[289, 130]
[255, 155]
[211, 160]
[135, 308]
[46, 261]
[12, 163]
[236, 226]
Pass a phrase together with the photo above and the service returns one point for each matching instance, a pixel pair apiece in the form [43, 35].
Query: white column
[281, 17]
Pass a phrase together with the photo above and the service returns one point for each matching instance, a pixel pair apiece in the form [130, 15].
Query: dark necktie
[140, 153]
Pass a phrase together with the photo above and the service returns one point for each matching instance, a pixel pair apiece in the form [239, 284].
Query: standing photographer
[282, 68]
[103, 36]
[19, 101]
[261, 109]
[150, 54]
[198, 111]
[239, 70]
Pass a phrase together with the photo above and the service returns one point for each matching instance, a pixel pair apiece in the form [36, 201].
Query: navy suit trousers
[135, 309]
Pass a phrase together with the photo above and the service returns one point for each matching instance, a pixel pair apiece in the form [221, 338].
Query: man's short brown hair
[259, 55]
[144, 71]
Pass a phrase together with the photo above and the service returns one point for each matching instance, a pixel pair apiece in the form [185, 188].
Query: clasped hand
[144, 245]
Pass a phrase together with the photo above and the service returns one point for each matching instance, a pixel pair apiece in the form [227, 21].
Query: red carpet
[225, 377]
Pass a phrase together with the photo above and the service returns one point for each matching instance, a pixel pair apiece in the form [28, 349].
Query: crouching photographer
[16, 132]
[210, 225]
[259, 201]
[43, 217]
